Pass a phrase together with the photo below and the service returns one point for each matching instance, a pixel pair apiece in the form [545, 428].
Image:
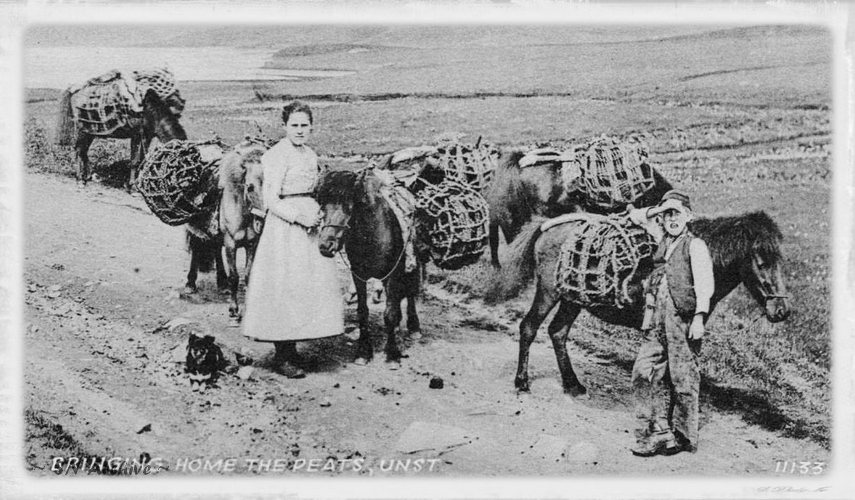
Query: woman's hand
[308, 219]
[697, 329]
[299, 210]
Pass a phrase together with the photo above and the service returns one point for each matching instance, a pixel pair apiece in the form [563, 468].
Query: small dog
[204, 360]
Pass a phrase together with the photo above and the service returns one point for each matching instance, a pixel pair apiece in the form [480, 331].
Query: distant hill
[416, 36]
[104, 36]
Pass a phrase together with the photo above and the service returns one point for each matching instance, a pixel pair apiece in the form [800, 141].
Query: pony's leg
[493, 236]
[364, 349]
[190, 286]
[559, 328]
[414, 327]
[249, 248]
[82, 147]
[392, 316]
[540, 307]
[223, 282]
[230, 247]
[136, 161]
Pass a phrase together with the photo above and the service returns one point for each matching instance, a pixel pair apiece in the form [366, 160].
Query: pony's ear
[323, 171]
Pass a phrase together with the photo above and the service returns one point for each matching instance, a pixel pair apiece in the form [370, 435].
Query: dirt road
[106, 331]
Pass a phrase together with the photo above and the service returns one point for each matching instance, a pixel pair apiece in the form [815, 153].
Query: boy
[679, 290]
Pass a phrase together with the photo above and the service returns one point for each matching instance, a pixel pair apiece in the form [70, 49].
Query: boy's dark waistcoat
[678, 268]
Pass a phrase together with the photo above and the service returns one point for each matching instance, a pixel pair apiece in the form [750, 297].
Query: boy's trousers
[667, 361]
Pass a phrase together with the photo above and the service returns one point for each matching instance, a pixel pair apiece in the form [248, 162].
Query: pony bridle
[341, 227]
[765, 288]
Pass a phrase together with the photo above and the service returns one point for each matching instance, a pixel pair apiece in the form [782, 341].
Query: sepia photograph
[370, 249]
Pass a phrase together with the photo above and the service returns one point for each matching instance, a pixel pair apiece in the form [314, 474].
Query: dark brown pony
[358, 219]
[744, 249]
[241, 178]
[159, 118]
[516, 194]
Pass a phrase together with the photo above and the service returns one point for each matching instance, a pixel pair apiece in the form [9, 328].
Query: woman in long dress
[294, 291]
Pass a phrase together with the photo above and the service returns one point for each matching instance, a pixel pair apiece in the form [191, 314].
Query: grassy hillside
[776, 65]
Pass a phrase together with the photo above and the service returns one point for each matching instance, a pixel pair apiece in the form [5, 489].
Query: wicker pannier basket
[614, 173]
[470, 165]
[454, 220]
[597, 266]
[161, 80]
[179, 179]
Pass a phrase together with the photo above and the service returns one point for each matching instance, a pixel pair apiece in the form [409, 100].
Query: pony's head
[175, 103]
[160, 120]
[241, 171]
[254, 179]
[337, 194]
[747, 249]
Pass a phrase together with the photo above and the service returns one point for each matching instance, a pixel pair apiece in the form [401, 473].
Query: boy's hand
[637, 216]
[697, 329]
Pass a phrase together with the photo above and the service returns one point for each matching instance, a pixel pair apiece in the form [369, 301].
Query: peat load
[612, 173]
[105, 104]
[597, 266]
[453, 218]
[178, 181]
[470, 165]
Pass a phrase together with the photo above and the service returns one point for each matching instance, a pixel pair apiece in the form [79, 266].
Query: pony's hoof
[395, 357]
[190, 290]
[415, 334]
[576, 392]
[234, 322]
[360, 361]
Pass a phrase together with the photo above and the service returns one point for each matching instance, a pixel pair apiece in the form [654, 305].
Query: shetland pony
[744, 249]
[159, 118]
[358, 219]
[241, 179]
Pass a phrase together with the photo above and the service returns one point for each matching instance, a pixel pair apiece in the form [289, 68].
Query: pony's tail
[520, 266]
[65, 120]
[206, 251]
[502, 191]
[511, 201]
